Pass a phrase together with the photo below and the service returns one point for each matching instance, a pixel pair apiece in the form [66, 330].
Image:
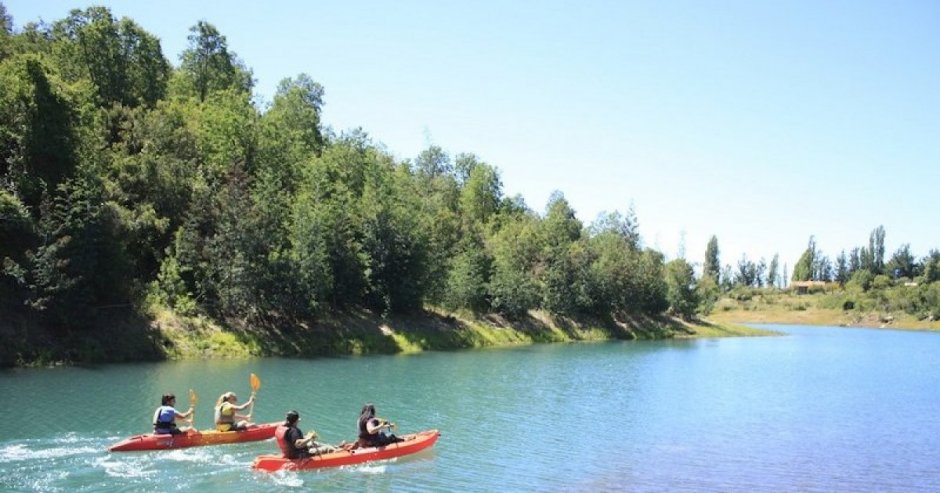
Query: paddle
[193, 399]
[255, 383]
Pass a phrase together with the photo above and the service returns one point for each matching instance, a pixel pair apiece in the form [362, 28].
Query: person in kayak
[226, 415]
[370, 429]
[164, 419]
[294, 444]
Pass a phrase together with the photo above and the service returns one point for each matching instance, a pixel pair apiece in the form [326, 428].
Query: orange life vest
[280, 434]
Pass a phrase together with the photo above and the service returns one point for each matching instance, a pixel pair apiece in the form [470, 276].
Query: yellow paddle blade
[193, 398]
[255, 382]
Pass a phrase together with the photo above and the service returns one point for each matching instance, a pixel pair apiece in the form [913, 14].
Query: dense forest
[128, 182]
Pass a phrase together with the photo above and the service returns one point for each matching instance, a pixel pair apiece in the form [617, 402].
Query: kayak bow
[152, 441]
[413, 443]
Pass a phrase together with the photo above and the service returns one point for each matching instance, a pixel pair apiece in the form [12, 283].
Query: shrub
[881, 281]
[861, 280]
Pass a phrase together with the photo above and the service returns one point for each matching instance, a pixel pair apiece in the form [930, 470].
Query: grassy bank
[162, 334]
[364, 333]
[823, 308]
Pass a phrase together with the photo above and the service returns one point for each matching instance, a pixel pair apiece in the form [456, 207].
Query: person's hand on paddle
[255, 384]
[251, 401]
[310, 438]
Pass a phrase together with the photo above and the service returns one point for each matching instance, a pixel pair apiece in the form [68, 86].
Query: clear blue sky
[760, 122]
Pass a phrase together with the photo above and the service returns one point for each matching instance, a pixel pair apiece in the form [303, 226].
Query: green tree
[803, 270]
[712, 265]
[876, 246]
[861, 279]
[902, 263]
[617, 287]
[652, 289]
[149, 170]
[708, 293]
[81, 263]
[464, 164]
[625, 226]
[468, 278]
[313, 239]
[170, 287]
[17, 236]
[727, 278]
[481, 194]
[681, 288]
[207, 65]
[6, 33]
[38, 127]
[773, 271]
[124, 62]
[225, 130]
[433, 162]
[842, 271]
[559, 279]
[437, 193]
[932, 266]
[515, 250]
[560, 225]
[822, 268]
[631, 228]
[747, 274]
[294, 117]
[395, 243]
[855, 262]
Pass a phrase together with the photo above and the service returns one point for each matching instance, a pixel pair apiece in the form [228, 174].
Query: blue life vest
[164, 419]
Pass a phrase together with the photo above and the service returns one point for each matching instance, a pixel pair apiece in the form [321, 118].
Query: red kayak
[413, 443]
[192, 438]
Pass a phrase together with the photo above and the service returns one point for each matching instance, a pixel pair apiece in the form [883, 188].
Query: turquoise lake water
[819, 409]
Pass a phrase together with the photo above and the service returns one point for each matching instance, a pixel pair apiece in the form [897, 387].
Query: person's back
[288, 435]
[283, 434]
[370, 429]
[366, 439]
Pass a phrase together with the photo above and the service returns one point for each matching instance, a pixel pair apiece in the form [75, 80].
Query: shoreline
[825, 317]
[162, 335]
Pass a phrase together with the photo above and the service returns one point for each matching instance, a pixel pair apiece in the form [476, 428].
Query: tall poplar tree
[876, 246]
[804, 268]
[772, 271]
[712, 265]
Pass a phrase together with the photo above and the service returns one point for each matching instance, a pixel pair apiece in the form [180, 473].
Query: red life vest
[280, 435]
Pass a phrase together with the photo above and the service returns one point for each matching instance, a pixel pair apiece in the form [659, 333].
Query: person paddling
[226, 415]
[293, 443]
[164, 418]
[370, 429]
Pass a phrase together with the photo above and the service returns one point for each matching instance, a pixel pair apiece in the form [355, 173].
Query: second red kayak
[413, 443]
[151, 441]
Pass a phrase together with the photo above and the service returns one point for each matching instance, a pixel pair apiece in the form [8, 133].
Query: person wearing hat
[294, 444]
[226, 417]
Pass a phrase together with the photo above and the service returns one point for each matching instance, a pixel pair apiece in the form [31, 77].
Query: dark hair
[292, 416]
[368, 409]
[165, 400]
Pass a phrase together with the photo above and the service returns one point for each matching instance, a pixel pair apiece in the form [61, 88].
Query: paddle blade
[255, 382]
[193, 398]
